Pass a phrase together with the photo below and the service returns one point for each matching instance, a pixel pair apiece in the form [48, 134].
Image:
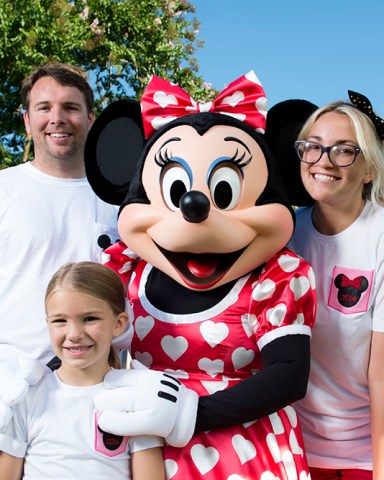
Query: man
[48, 213]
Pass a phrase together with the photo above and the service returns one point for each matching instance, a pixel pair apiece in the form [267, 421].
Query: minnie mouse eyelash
[238, 160]
[165, 159]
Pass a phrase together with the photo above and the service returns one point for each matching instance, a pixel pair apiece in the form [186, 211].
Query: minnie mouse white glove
[16, 375]
[140, 401]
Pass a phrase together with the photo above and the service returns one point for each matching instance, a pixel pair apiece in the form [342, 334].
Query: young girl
[54, 432]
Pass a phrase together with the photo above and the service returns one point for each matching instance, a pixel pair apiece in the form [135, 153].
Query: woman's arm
[148, 464]
[376, 394]
[11, 468]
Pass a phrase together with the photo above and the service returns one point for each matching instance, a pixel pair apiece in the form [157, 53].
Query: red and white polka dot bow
[243, 99]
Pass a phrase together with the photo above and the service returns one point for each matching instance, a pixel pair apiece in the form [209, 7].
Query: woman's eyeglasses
[341, 155]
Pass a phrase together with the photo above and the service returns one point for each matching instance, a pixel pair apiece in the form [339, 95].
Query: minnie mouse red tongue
[215, 298]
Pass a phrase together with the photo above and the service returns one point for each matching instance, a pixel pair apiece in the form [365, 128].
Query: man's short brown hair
[66, 75]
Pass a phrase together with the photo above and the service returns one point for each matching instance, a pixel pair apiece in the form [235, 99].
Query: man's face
[58, 121]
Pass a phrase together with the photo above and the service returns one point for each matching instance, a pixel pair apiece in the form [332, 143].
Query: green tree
[120, 43]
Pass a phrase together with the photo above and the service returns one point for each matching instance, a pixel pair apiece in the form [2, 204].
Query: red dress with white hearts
[214, 349]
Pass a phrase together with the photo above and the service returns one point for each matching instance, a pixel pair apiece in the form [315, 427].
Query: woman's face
[328, 183]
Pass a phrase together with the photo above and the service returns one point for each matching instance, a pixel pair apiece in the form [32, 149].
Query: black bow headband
[364, 105]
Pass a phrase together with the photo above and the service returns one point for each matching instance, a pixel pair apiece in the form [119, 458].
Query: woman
[342, 236]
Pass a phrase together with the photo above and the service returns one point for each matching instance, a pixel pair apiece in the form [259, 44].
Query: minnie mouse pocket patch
[107, 443]
[350, 290]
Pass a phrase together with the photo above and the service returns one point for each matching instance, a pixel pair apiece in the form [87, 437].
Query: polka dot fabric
[243, 99]
[214, 349]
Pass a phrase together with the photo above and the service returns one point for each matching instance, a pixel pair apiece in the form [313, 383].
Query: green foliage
[120, 43]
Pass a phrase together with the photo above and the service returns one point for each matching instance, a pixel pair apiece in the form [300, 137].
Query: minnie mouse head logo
[350, 290]
[110, 441]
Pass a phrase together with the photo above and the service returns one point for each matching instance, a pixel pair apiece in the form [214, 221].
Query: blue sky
[315, 50]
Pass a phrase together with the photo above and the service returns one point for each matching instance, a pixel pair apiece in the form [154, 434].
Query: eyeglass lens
[341, 155]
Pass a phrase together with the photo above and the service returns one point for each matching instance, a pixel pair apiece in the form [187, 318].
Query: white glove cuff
[185, 420]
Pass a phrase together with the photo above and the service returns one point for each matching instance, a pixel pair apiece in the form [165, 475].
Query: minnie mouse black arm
[282, 381]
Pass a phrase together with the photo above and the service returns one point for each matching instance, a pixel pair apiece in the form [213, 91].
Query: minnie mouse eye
[175, 182]
[225, 187]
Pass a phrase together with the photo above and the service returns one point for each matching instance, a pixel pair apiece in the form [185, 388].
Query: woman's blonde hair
[372, 147]
[96, 280]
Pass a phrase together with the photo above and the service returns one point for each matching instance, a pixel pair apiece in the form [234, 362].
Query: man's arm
[11, 468]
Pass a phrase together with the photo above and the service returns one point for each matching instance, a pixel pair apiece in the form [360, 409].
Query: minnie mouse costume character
[215, 299]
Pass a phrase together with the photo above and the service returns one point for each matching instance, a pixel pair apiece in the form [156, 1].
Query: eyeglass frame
[328, 150]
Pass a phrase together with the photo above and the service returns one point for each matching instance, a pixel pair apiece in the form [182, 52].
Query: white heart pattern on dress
[242, 357]
[264, 290]
[163, 99]
[276, 315]
[244, 448]
[277, 424]
[174, 347]
[132, 278]
[268, 476]
[273, 447]
[299, 320]
[289, 465]
[143, 325]
[250, 323]
[288, 263]
[299, 286]
[214, 333]
[177, 373]
[305, 476]
[205, 458]
[171, 468]
[312, 278]
[292, 415]
[213, 387]
[212, 367]
[144, 357]
[295, 447]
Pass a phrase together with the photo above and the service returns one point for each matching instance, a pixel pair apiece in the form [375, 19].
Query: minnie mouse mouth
[201, 270]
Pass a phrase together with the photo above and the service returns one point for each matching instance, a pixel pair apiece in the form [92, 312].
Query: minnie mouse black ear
[114, 144]
[284, 122]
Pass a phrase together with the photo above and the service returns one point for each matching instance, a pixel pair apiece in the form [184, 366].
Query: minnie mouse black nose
[194, 206]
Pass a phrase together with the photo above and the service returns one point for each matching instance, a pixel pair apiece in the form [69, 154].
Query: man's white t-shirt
[45, 222]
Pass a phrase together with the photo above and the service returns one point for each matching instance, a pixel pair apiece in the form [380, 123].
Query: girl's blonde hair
[96, 280]
[372, 147]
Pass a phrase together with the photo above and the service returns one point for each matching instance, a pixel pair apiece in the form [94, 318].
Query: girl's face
[325, 182]
[81, 328]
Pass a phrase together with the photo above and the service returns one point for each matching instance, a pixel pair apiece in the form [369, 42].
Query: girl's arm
[376, 394]
[11, 467]
[147, 464]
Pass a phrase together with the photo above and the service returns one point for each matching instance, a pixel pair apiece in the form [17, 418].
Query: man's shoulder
[13, 171]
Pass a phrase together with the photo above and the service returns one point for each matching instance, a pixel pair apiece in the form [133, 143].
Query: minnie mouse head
[201, 199]
[350, 290]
